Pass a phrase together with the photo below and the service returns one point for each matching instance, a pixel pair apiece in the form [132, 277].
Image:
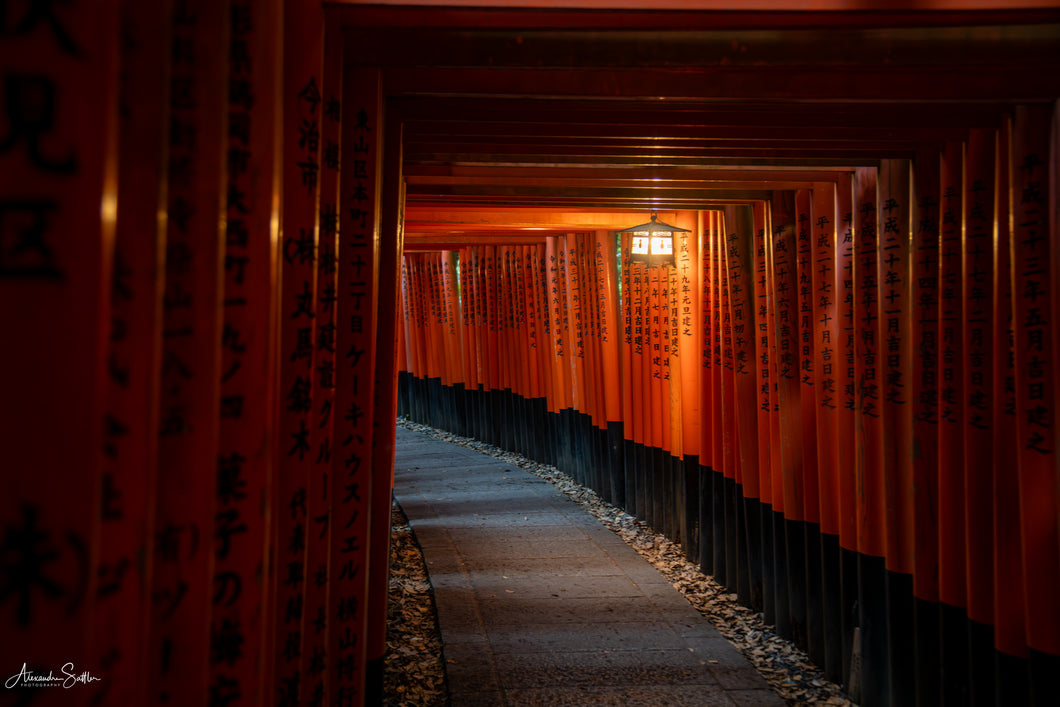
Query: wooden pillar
[845, 358]
[313, 682]
[188, 521]
[924, 299]
[896, 352]
[121, 619]
[953, 587]
[977, 295]
[1034, 249]
[866, 319]
[58, 199]
[303, 107]
[1009, 598]
[391, 220]
[826, 365]
[762, 352]
[822, 546]
[244, 489]
[706, 297]
[875, 686]
[786, 283]
[355, 369]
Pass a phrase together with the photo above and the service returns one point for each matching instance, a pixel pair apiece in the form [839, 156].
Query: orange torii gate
[843, 392]
[830, 318]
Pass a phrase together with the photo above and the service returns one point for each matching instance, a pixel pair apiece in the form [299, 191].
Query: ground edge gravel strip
[414, 664]
[786, 668]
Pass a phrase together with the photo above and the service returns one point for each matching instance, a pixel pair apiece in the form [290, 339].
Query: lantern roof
[654, 226]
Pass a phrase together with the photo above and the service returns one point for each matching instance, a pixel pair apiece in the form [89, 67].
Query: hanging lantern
[653, 242]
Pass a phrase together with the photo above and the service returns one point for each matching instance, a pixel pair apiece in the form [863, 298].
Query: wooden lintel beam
[427, 185]
[679, 113]
[511, 154]
[842, 161]
[1014, 82]
[705, 15]
[506, 190]
[619, 130]
[605, 173]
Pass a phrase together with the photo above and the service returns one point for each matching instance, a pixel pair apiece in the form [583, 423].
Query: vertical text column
[355, 350]
[244, 467]
[190, 401]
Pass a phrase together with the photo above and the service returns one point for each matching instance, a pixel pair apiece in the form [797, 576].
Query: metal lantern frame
[653, 242]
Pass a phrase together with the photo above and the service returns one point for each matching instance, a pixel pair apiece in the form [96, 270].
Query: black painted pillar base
[926, 625]
[1043, 671]
[795, 534]
[752, 523]
[831, 585]
[814, 595]
[981, 663]
[721, 566]
[691, 538]
[616, 467]
[765, 533]
[373, 682]
[1013, 680]
[872, 619]
[901, 638]
[953, 632]
[706, 520]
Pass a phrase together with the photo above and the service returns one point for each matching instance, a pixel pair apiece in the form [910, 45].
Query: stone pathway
[539, 604]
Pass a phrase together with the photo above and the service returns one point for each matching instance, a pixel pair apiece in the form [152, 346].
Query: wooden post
[870, 492]
[355, 370]
[827, 364]
[924, 300]
[925, 330]
[245, 469]
[313, 682]
[121, 619]
[391, 227]
[1010, 634]
[1032, 181]
[894, 227]
[58, 200]
[303, 107]
[977, 293]
[188, 523]
[846, 292]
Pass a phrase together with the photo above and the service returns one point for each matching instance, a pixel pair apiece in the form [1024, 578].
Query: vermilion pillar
[314, 675]
[355, 370]
[846, 380]
[127, 502]
[870, 495]
[58, 162]
[1034, 310]
[190, 528]
[245, 471]
[924, 465]
[304, 105]
[391, 235]
[827, 365]
[1009, 600]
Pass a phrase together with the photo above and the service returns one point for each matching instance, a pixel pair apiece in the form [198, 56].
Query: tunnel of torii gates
[229, 229]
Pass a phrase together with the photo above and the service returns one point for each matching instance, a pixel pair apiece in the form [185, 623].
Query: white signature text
[28, 678]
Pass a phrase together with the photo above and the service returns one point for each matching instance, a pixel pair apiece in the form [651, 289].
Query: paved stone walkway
[540, 604]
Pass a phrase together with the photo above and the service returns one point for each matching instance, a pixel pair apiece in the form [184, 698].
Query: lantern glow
[653, 242]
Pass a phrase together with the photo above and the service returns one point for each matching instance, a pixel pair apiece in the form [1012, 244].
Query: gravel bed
[413, 671]
[785, 667]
